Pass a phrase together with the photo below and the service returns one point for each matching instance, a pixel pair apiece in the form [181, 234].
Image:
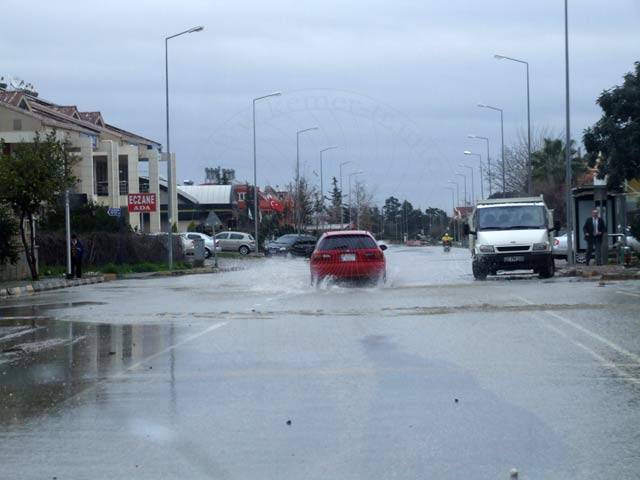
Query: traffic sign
[142, 202]
[213, 220]
[114, 212]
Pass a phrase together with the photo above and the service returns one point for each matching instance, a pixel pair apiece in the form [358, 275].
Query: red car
[348, 255]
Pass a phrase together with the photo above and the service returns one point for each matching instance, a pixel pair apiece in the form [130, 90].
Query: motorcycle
[446, 246]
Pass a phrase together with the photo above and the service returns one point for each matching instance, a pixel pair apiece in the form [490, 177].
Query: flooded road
[256, 374]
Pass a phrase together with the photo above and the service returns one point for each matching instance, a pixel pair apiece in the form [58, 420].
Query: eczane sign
[142, 202]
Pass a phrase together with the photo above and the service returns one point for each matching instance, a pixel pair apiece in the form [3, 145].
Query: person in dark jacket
[77, 251]
[594, 230]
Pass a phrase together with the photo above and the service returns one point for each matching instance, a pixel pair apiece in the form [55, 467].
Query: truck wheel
[549, 270]
[479, 272]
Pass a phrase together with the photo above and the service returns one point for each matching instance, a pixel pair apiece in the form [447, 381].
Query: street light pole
[322, 176]
[567, 144]
[488, 157]
[359, 172]
[467, 152]
[342, 194]
[453, 206]
[504, 182]
[473, 190]
[457, 192]
[170, 179]
[529, 164]
[255, 170]
[297, 209]
[465, 187]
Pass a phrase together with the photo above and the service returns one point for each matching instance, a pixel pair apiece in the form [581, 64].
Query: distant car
[292, 244]
[348, 255]
[208, 242]
[243, 243]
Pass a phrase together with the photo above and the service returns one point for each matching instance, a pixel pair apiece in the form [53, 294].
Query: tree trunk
[28, 254]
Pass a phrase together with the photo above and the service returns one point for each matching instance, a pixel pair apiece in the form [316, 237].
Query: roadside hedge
[103, 248]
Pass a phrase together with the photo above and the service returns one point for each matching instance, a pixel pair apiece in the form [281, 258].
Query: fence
[103, 248]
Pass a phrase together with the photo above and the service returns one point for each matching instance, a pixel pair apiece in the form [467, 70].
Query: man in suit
[594, 231]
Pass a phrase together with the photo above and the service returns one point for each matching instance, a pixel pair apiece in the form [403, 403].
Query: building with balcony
[111, 160]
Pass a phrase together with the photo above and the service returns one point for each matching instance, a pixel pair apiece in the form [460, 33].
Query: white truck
[511, 234]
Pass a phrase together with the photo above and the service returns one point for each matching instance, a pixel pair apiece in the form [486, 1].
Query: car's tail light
[556, 242]
[373, 255]
[321, 257]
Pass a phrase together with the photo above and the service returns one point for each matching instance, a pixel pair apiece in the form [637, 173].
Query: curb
[44, 285]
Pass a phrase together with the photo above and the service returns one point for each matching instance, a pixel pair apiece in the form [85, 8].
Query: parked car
[348, 255]
[208, 242]
[186, 243]
[236, 242]
[292, 244]
[560, 247]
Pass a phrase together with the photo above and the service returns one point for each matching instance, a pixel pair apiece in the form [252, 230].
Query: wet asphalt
[255, 374]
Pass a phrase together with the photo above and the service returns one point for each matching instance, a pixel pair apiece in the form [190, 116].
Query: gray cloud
[428, 62]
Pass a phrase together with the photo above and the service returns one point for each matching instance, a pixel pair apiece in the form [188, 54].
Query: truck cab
[511, 234]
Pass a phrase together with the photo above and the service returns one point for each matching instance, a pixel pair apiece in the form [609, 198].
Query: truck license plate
[514, 259]
[348, 257]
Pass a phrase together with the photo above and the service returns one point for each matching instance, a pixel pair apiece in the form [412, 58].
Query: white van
[511, 234]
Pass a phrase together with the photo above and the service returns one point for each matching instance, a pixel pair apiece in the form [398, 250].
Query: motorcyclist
[446, 240]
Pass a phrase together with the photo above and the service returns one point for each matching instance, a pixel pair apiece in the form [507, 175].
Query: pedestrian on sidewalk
[77, 251]
[594, 231]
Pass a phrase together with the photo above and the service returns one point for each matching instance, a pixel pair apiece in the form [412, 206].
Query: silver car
[208, 242]
[236, 242]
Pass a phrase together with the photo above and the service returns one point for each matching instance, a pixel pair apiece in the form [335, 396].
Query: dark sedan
[292, 244]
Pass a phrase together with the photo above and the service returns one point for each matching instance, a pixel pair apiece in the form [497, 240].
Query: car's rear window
[347, 242]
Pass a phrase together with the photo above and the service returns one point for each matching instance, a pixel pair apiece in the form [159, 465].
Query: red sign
[142, 202]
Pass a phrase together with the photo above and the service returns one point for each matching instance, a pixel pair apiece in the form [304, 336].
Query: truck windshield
[511, 217]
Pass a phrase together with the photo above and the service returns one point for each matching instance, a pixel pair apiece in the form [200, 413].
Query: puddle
[8, 312]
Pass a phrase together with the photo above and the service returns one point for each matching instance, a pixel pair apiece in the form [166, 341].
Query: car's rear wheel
[207, 253]
[244, 250]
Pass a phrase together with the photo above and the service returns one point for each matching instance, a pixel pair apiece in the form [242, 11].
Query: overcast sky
[393, 84]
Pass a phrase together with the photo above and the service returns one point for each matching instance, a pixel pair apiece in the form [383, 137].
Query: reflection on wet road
[255, 374]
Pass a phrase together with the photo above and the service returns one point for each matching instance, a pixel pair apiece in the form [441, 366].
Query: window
[236, 236]
[222, 236]
[123, 165]
[17, 124]
[241, 196]
[193, 236]
[347, 242]
[518, 217]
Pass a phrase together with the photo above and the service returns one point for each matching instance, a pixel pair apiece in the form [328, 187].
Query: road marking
[595, 336]
[628, 293]
[598, 357]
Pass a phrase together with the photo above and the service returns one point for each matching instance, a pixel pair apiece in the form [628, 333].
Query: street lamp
[359, 172]
[457, 191]
[298, 216]
[567, 144]
[322, 174]
[465, 187]
[478, 137]
[255, 174]
[529, 164]
[473, 190]
[170, 182]
[342, 193]
[481, 105]
[467, 152]
[453, 210]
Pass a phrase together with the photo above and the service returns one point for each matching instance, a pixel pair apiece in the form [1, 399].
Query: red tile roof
[11, 97]
[92, 117]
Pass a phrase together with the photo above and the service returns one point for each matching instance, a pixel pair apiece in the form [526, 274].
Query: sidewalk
[600, 272]
[28, 287]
